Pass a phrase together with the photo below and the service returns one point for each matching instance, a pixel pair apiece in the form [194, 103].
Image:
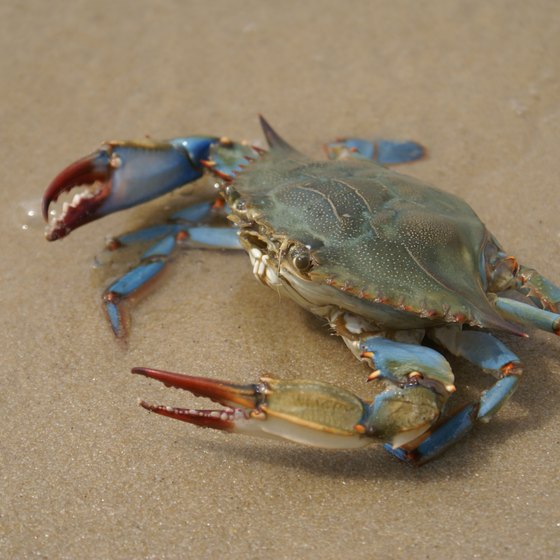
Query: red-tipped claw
[307, 412]
[232, 396]
[93, 171]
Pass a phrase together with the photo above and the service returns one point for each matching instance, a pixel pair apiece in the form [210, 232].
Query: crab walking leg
[195, 214]
[305, 411]
[123, 174]
[539, 288]
[487, 352]
[528, 315]
[402, 363]
[153, 262]
[452, 429]
[385, 152]
[479, 348]
[200, 236]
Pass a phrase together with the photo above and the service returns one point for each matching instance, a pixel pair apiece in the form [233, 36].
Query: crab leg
[487, 352]
[384, 152]
[400, 363]
[405, 364]
[192, 214]
[537, 287]
[506, 274]
[480, 348]
[453, 428]
[528, 315]
[153, 262]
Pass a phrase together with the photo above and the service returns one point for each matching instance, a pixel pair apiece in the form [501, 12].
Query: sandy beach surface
[86, 473]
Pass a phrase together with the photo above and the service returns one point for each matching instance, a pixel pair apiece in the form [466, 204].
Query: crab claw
[86, 171]
[308, 412]
[304, 411]
[222, 392]
[121, 175]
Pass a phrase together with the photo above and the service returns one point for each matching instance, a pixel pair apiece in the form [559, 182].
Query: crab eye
[301, 258]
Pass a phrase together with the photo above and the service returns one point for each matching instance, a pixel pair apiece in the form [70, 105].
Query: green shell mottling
[377, 234]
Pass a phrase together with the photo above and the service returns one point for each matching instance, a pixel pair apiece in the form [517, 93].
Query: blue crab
[388, 261]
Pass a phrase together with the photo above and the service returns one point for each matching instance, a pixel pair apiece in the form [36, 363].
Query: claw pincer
[237, 398]
[90, 170]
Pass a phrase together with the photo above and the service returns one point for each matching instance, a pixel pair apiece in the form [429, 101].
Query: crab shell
[357, 236]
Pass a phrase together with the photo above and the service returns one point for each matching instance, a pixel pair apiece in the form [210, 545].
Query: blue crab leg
[384, 152]
[124, 174]
[153, 262]
[193, 214]
[191, 236]
[182, 230]
[541, 290]
[487, 352]
[528, 315]
[479, 348]
[506, 276]
[401, 362]
[543, 307]
[453, 428]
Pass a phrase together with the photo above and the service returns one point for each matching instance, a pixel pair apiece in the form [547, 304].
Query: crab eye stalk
[301, 258]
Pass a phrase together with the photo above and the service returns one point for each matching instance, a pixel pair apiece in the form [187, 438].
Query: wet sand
[87, 473]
